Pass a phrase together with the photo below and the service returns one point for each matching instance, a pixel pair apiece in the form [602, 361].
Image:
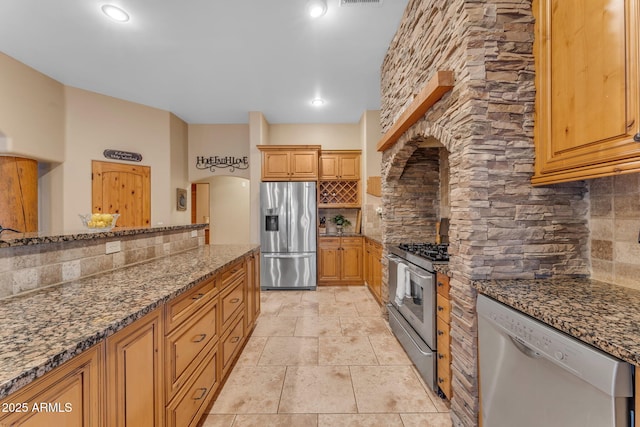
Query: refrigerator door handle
[288, 255]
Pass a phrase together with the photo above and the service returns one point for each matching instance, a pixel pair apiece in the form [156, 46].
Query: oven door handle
[412, 269]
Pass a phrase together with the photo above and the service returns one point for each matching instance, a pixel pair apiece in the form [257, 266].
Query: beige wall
[179, 177]
[259, 134]
[217, 140]
[230, 210]
[203, 202]
[330, 136]
[31, 112]
[97, 122]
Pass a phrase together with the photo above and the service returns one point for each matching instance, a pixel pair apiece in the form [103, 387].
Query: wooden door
[349, 166]
[256, 286]
[123, 189]
[328, 166]
[250, 291]
[351, 249]
[329, 259]
[587, 109]
[135, 396]
[275, 165]
[304, 165]
[19, 193]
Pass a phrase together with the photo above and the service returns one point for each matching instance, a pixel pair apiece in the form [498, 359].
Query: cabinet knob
[203, 393]
[440, 284]
[235, 300]
[200, 337]
[234, 340]
[636, 137]
[440, 308]
[440, 332]
[440, 380]
[198, 296]
[440, 356]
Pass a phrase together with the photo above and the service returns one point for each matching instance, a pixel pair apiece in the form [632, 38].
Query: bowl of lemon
[99, 221]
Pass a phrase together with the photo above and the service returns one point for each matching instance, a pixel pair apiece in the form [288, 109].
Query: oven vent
[349, 3]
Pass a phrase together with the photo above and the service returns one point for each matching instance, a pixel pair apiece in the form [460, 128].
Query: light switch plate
[194, 233]
[113, 247]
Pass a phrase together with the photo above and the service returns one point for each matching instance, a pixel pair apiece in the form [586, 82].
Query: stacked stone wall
[500, 226]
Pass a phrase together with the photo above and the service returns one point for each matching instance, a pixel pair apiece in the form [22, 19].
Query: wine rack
[339, 194]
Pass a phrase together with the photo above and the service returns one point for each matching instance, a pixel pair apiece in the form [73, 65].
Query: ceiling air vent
[347, 3]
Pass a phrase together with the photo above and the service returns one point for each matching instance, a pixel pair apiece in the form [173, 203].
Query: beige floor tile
[389, 389]
[364, 326]
[270, 307]
[299, 309]
[426, 420]
[368, 308]
[317, 389]
[251, 390]
[252, 351]
[290, 351]
[442, 405]
[354, 294]
[388, 350]
[214, 420]
[275, 326]
[284, 296]
[319, 296]
[277, 420]
[345, 351]
[318, 326]
[359, 420]
[337, 309]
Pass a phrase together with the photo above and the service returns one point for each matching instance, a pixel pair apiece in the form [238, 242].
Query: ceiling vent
[348, 3]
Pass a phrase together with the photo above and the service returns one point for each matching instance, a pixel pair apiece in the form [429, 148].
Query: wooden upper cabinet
[340, 165]
[587, 115]
[289, 162]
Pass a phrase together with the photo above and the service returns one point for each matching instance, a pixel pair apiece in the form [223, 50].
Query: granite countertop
[336, 234]
[601, 314]
[41, 330]
[11, 239]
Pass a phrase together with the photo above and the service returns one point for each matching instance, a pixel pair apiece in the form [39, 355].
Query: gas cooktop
[422, 254]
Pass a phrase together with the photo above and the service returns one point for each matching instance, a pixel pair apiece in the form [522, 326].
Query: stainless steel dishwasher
[532, 375]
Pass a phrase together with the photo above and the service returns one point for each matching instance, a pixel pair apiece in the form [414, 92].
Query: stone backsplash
[25, 268]
[615, 229]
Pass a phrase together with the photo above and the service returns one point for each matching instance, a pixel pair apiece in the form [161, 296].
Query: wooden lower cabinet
[373, 268]
[443, 340]
[252, 298]
[135, 374]
[340, 261]
[70, 395]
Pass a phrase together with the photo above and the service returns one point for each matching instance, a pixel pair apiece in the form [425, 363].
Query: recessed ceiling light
[316, 8]
[317, 102]
[115, 13]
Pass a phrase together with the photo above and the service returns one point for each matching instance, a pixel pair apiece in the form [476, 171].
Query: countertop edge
[18, 382]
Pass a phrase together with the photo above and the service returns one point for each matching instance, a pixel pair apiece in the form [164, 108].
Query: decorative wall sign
[181, 199]
[223, 162]
[122, 155]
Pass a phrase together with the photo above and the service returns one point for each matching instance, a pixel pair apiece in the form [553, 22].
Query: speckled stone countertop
[41, 330]
[601, 314]
[335, 234]
[11, 239]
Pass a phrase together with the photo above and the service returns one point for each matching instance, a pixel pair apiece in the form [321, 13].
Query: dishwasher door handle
[525, 349]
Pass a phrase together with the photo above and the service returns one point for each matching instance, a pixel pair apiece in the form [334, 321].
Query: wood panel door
[19, 193]
[351, 262]
[123, 189]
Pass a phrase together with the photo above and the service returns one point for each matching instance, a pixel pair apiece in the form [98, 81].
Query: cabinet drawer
[443, 308]
[186, 345]
[231, 274]
[188, 406]
[231, 301]
[444, 378]
[231, 343]
[443, 285]
[180, 308]
[442, 335]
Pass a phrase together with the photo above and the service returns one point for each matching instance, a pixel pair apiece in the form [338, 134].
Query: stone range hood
[500, 225]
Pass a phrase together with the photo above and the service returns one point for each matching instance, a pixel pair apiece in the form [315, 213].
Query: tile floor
[324, 358]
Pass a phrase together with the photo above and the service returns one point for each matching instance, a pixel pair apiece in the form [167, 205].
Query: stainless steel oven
[412, 306]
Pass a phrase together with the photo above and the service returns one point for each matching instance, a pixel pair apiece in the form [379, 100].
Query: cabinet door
[256, 286]
[328, 166]
[349, 166]
[304, 166]
[587, 89]
[70, 396]
[329, 259]
[376, 255]
[351, 249]
[135, 395]
[275, 165]
[249, 315]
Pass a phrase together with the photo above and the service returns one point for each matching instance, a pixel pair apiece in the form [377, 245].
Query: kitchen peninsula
[206, 292]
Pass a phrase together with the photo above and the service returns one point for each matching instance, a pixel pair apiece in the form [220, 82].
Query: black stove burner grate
[430, 251]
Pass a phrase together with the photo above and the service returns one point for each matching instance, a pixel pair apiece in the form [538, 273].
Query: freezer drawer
[288, 271]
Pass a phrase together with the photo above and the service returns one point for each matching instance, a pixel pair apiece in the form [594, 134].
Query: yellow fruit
[95, 217]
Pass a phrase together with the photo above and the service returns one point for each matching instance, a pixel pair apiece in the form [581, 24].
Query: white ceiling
[211, 61]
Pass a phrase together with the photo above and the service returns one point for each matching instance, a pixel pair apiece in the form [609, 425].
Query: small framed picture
[181, 199]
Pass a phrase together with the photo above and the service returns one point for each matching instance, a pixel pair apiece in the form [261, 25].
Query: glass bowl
[99, 221]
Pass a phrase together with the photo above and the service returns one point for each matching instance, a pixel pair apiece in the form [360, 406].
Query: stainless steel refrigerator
[288, 235]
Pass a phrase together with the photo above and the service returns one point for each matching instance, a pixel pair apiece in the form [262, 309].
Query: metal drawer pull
[203, 393]
[440, 356]
[440, 284]
[201, 338]
[440, 380]
[440, 308]
[440, 332]
[235, 340]
[200, 295]
[235, 300]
